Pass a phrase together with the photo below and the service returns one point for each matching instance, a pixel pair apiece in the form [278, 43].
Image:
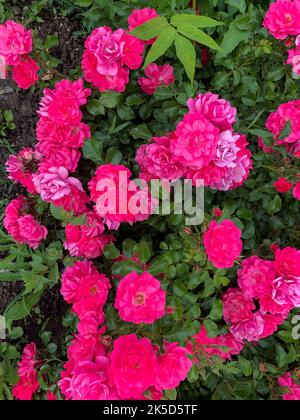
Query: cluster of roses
[204, 146]
[275, 285]
[291, 388]
[133, 368]
[15, 47]
[286, 114]
[283, 21]
[110, 55]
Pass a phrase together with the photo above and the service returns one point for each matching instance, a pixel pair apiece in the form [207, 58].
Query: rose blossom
[21, 167]
[217, 110]
[283, 18]
[256, 276]
[133, 366]
[294, 59]
[173, 366]
[140, 298]
[156, 160]
[15, 41]
[296, 191]
[282, 185]
[287, 262]
[223, 243]
[237, 306]
[227, 150]
[156, 76]
[292, 389]
[28, 381]
[25, 72]
[195, 144]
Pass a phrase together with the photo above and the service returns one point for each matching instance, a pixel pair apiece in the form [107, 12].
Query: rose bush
[153, 308]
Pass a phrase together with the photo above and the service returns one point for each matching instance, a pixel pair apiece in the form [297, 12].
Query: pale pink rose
[25, 72]
[195, 144]
[15, 41]
[223, 243]
[140, 298]
[133, 366]
[237, 306]
[217, 110]
[286, 290]
[173, 366]
[283, 18]
[54, 184]
[256, 277]
[294, 59]
[156, 76]
[251, 329]
[227, 150]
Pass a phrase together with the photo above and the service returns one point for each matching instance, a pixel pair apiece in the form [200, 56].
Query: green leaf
[143, 252]
[186, 53]
[216, 311]
[6, 276]
[241, 5]
[113, 155]
[194, 20]
[286, 131]
[198, 35]
[84, 3]
[211, 328]
[21, 308]
[184, 332]
[122, 268]
[171, 394]
[159, 265]
[111, 252]
[92, 149]
[141, 132]
[150, 29]
[51, 41]
[245, 366]
[95, 107]
[232, 38]
[111, 99]
[160, 46]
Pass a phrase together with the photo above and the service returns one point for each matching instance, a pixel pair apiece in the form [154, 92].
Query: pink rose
[294, 59]
[156, 76]
[32, 232]
[133, 366]
[173, 366]
[195, 144]
[237, 306]
[287, 262]
[283, 18]
[140, 298]
[256, 277]
[223, 243]
[291, 388]
[15, 41]
[251, 329]
[296, 191]
[216, 110]
[25, 72]
[282, 185]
